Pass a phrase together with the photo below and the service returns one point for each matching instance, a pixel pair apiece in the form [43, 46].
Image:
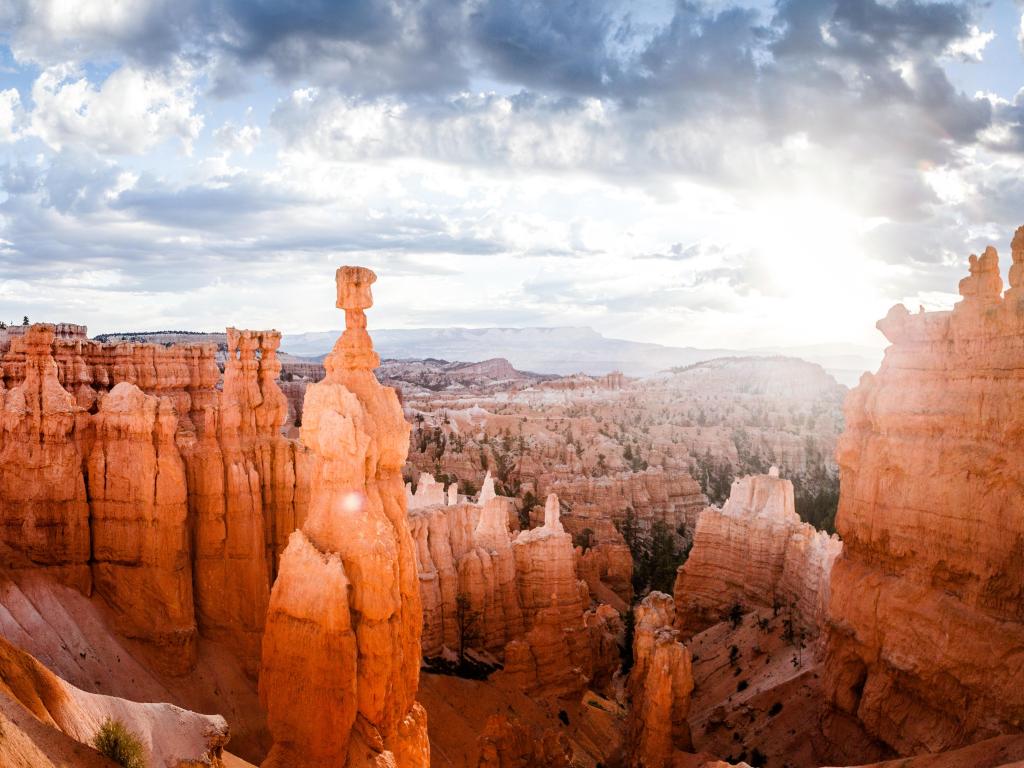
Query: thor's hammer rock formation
[341, 652]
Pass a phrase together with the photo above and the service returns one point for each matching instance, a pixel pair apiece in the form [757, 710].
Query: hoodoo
[341, 652]
[755, 552]
[926, 619]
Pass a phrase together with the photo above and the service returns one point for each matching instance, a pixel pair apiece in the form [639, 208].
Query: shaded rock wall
[524, 601]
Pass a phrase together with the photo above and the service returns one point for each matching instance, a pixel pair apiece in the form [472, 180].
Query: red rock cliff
[122, 467]
[926, 621]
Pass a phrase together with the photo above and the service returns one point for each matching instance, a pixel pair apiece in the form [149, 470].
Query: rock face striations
[555, 654]
[518, 599]
[125, 470]
[926, 621]
[756, 553]
[341, 653]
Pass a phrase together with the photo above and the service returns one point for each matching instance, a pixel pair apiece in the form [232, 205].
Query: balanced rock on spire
[341, 653]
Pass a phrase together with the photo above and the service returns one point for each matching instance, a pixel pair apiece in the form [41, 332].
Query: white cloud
[238, 138]
[56, 31]
[131, 112]
[11, 115]
[971, 47]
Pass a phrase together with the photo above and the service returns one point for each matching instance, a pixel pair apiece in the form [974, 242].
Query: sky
[689, 173]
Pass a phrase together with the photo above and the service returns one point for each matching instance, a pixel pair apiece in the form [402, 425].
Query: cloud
[238, 138]
[564, 46]
[370, 45]
[656, 145]
[12, 115]
[972, 47]
[132, 111]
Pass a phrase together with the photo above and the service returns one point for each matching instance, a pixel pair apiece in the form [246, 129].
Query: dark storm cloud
[366, 46]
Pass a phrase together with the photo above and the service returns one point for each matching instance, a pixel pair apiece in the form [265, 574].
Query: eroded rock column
[341, 652]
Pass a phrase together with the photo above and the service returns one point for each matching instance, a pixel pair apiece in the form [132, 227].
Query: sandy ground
[72, 636]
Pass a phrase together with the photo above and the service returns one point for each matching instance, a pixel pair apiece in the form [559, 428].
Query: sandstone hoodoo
[341, 653]
[125, 469]
[753, 553]
[660, 684]
[926, 622]
[518, 599]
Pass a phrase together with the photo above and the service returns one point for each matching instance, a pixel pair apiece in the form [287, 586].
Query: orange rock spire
[341, 652]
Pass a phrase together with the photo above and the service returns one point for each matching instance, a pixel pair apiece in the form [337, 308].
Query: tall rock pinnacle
[341, 653]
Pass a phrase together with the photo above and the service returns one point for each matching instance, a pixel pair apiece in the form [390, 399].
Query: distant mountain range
[566, 350]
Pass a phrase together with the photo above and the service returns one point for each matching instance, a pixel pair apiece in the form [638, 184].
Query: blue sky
[708, 174]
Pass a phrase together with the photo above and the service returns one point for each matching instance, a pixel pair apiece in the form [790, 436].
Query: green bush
[115, 741]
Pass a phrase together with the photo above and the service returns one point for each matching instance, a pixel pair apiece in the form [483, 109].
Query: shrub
[734, 654]
[115, 741]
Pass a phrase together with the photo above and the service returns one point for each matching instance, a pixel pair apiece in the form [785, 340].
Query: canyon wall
[125, 470]
[755, 552]
[926, 621]
[521, 599]
[341, 652]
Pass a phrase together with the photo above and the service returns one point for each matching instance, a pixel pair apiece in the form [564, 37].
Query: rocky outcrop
[248, 490]
[341, 653]
[926, 619]
[507, 743]
[171, 736]
[124, 468]
[520, 597]
[554, 656]
[653, 495]
[756, 553]
[464, 552]
[660, 684]
[44, 508]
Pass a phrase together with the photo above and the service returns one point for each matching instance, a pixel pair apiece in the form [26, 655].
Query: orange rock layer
[926, 621]
[756, 553]
[125, 470]
[521, 596]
